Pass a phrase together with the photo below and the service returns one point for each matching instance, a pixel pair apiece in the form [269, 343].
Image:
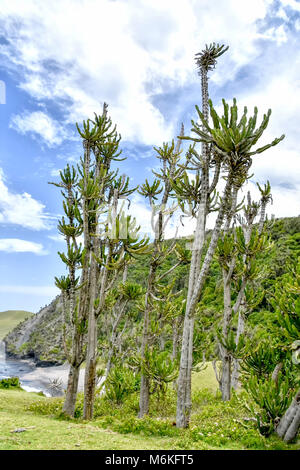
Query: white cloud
[42, 126]
[112, 51]
[15, 245]
[21, 209]
[125, 55]
[50, 291]
[294, 4]
[55, 172]
[57, 238]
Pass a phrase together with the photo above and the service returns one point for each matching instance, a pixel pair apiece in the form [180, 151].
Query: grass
[205, 379]
[214, 424]
[10, 319]
[47, 433]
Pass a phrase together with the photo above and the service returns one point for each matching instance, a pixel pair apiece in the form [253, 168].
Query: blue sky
[60, 59]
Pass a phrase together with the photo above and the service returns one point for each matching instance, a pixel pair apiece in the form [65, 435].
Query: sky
[61, 59]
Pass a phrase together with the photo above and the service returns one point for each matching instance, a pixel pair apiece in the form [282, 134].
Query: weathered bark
[236, 362]
[114, 337]
[262, 216]
[276, 372]
[225, 355]
[225, 381]
[185, 373]
[71, 392]
[290, 422]
[91, 353]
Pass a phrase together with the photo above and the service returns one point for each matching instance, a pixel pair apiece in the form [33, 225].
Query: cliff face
[39, 337]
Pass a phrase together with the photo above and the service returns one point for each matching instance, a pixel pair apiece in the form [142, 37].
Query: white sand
[46, 374]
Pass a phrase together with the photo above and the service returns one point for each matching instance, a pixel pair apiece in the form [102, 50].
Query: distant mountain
[10, 319]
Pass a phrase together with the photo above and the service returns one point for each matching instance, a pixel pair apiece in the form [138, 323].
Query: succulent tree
[74, 324]
[110, 239]
[246, 300]
[197, 193]
[169, 155]
[232, 139]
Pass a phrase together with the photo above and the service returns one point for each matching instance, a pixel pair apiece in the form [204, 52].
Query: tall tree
[170, 157]
[232, 140]
[198, 194]
[74, 325]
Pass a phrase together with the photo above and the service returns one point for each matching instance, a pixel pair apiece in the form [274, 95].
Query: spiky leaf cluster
[207, 58]
[233, 138]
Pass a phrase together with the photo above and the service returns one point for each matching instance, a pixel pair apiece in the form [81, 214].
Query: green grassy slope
[10, 319]
[46, 433]
[214, 424]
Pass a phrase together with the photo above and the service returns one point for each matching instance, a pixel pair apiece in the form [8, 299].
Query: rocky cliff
[39, 337]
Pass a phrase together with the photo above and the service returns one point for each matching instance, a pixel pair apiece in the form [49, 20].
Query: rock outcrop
[39, 337]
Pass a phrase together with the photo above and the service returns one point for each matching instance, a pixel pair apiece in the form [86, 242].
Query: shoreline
[39, 378]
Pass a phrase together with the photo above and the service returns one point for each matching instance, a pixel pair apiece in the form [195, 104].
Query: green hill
[10, 319]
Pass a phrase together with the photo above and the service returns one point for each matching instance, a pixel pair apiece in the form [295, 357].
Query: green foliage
[207, 58]
[10, 383]
[273, 399]
[120, 383]
[260, 361]
[161, 370]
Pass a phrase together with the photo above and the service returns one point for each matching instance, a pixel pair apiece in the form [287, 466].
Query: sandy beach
[45, 375]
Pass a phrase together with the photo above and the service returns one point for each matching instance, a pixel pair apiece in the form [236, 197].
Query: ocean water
[18, 368]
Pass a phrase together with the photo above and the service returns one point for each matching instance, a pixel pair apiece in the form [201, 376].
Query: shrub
[11, 382]
[272, 398]
[120, 383]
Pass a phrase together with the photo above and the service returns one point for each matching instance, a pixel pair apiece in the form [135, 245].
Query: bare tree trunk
[90, 368]
[290, 422]
[225, 355]
[276, 372]
[236, 362]
[71, 392]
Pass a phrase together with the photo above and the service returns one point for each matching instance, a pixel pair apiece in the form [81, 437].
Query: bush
[146, 426]
[48, 406]
[11, 382]
[120, 383]
[272, 398]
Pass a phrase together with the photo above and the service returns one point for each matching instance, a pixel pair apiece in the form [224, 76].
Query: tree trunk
[290, 422]
[71, 392]
[144, 396]
[225, 354]
[90, 369]
[226, 377]
[276, 372]
[236, 362]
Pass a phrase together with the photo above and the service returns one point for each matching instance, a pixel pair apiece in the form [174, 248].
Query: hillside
[10, 319]
[41, 337]
[38, 337]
